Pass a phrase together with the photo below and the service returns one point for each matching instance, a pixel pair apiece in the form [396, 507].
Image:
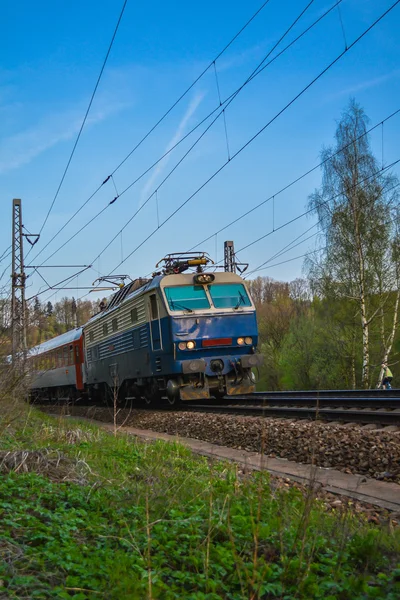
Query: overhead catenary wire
[283, 262]
[310, 210]
[8, 250]
[222, 112]
[85, 116]
[6, 256]
[190, 87]
[305, 213]
[51, 287]
[162, 118]
[304, 89]
[251, 140]
[387, 118]
[276, 255]
[316, 250]
[292, 183]
[223, 104]
[293, 245]
[287, 248]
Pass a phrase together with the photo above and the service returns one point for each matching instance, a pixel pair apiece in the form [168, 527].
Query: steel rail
[374, 393]
[323, 402]
[350, 415]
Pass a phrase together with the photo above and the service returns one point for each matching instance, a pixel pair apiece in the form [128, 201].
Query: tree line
[46, 320]
[314, 342]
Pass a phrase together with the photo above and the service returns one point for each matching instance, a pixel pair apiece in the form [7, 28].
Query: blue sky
[51, 57]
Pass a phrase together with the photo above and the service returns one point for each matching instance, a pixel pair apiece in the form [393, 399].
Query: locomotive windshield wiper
[242, 300]
[180, 305]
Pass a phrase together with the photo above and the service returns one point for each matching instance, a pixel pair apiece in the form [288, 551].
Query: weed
[153, 521]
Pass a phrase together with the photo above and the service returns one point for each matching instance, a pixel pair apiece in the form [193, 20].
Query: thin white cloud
[239, 59]
[23, 147]
[191, 109]
[365, 85]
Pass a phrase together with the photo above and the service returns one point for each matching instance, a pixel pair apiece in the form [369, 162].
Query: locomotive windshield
[194, 297]
[229, 295]
[187, 297]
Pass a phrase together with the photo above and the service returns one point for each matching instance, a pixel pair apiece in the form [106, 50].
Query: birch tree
[356, 208]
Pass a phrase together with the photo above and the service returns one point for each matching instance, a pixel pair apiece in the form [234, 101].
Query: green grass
[153, 521]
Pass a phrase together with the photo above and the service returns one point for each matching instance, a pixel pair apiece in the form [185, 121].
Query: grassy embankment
[89, 515]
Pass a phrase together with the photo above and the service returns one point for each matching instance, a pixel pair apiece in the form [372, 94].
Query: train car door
[78, 359]
[155, 325]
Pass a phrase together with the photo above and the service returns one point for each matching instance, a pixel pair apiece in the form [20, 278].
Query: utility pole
[229, 257]
[18, 277]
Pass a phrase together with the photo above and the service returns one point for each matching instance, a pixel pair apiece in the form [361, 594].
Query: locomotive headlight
[187, 345]
[240, 341]
[204, 278]
[248, 340]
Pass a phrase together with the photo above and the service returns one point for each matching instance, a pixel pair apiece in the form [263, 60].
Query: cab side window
[153, 307]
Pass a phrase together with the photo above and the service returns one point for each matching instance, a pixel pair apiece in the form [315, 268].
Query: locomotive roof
[150, 285]
[187, 278]
[56, 342]
[160, 281]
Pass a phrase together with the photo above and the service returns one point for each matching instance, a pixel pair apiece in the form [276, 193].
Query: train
[187, 333]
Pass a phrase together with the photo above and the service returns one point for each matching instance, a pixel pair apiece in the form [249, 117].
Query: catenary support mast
[229, 257]
[18, 277]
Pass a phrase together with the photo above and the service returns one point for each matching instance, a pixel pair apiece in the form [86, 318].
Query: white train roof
[57, 342]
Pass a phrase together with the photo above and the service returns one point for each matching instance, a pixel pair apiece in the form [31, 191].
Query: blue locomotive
[180, 335]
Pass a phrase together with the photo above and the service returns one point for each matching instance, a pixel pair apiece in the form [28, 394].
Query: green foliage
[154, 521]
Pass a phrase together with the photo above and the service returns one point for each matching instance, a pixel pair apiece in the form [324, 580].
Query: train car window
[71, 355]
[114, 324]
[187, 297]
[153, 307]
[229, 295]
[65, 356]
[134, 315]
[91, 336]
[59, 358]
[53, 359]
[105, 328]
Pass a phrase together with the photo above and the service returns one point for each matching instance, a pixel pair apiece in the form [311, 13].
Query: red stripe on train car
[217, 342]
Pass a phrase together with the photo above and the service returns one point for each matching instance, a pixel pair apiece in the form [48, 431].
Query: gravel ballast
[349, 448]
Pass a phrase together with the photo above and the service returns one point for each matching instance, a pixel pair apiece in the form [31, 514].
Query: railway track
[349, 406]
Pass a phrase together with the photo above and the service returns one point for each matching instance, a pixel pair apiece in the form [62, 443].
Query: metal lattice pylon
[229, 257]
[18, 277]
